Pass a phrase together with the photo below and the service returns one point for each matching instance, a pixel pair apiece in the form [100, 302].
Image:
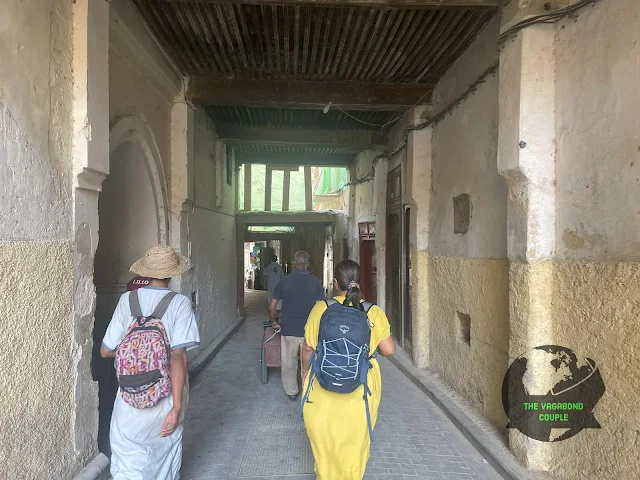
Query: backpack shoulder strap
[162, 307]
[330, 301]
[367, 306]
[134, 304]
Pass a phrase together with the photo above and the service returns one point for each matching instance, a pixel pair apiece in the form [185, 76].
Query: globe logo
[549, 393]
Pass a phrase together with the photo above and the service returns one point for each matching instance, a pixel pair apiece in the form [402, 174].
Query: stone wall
[361, 205]
[595, 274]
[568, 148]
[39, 355]
[210, 227]
[467, 265]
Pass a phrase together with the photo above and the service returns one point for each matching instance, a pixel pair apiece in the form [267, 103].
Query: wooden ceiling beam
[284, 218]
[287, 137]
[214, 90]
[404, 4]
[299, 159]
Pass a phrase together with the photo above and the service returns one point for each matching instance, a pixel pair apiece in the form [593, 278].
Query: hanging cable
[381, 125]
[552, 17]
[492, 70]
[547, 18]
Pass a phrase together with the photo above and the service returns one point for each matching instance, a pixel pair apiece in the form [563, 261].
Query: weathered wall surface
[468, 272]
[361, 205]
[128, 221]
[590, 308]
[35, 120]
[214, 271]
[37, 402]
[597, 73]
[37, 384]
[595, 276]
[212, 233]
[140, 80]
[130, 93]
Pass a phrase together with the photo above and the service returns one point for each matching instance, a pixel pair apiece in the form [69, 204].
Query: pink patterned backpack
[143, 357]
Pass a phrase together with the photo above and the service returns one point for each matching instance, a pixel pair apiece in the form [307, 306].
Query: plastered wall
[361, 205]
[128, 220]
[37, 399]
[141, 82]
[468, 272]
[595, 275]
[211, 228]
[35, 119]
[597, 73]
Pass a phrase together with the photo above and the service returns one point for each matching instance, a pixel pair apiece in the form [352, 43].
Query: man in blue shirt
[299, 292]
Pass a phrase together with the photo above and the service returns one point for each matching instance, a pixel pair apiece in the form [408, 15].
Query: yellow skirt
[336, 424]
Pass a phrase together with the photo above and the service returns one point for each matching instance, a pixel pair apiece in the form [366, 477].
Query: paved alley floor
[239, 428]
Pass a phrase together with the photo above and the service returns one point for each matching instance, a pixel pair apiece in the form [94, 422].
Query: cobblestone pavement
[237, 427]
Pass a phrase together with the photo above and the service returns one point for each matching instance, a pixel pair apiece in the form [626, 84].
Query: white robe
[138, 452]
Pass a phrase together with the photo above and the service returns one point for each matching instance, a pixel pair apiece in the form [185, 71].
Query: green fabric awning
[332, 180]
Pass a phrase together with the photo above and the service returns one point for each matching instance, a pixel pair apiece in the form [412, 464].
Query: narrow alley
[474, 163]
[236, 427]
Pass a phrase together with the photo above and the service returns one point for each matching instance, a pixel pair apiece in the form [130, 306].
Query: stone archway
[135, 129]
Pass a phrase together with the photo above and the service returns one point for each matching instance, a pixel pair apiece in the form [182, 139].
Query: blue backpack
[342, 359]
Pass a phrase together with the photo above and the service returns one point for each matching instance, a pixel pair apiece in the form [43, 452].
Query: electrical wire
[492, 70]
[553, 17]
[390, 121]
[547, 18]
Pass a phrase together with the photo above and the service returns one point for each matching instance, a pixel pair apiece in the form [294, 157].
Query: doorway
[407, 326]
[367, 260]
[394, 252]
[398, 261]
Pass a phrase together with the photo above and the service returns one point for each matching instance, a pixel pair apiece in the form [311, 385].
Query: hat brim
[141, 267]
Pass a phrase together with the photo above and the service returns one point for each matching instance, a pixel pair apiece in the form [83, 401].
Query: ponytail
[353, 297]
[347, 274]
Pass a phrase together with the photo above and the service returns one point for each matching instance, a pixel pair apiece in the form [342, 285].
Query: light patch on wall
[464, 328]
[461, 214]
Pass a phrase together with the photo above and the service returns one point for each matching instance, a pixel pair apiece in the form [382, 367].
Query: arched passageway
[130, 222]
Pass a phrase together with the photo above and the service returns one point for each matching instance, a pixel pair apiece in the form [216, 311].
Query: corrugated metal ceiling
[295, 149]
[298, 118]
[381, 45]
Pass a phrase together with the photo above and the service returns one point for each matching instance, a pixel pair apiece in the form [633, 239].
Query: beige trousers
[289, 351]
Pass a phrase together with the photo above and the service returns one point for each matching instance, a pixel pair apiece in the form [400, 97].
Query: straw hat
[160, 261]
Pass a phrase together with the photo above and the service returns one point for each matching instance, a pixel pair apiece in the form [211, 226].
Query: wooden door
[367, 280]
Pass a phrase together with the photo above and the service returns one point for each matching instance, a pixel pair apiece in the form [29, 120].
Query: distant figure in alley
[149, 335]
[273, 273]
[299, 291]
[341, 409]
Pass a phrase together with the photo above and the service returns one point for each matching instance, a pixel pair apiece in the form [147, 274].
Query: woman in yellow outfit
[336, 423]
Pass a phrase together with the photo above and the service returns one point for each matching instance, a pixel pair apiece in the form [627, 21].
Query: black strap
[366, 305]
[134, 304]
[162, 307]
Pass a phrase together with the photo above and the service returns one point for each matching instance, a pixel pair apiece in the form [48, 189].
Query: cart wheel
[263, 364]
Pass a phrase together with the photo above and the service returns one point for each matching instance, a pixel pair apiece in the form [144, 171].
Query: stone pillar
[526, 158]
[90, 167]
[181, 201]
[418, 195]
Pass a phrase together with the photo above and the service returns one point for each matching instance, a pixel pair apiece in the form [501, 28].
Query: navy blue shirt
[299, 292]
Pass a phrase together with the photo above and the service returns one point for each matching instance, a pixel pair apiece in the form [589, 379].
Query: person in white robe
[146, 443]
